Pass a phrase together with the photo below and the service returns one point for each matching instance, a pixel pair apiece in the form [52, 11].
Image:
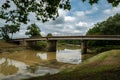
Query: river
[29, 63]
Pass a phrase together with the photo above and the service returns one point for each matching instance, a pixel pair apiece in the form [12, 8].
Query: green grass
[104, 66]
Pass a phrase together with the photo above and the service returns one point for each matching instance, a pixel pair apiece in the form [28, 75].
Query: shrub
[40, 45]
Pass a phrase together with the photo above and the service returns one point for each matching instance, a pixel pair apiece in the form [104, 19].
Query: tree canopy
[113, 2]
[44, 10]
[6, 30]
[33, 31]
[49, 35]
[109, 27]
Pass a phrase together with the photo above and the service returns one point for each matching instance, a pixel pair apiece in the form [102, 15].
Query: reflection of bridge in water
[51, 45]
[64, 56]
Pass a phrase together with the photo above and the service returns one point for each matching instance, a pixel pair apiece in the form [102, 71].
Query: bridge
[51, 41]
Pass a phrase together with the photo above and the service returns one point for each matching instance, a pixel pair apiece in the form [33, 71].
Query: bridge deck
[90, 37]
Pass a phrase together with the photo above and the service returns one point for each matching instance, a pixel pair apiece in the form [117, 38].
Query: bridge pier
[83, 46]
[23, 43]
[51, 45]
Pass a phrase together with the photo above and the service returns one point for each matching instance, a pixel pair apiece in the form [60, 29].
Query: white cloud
[62, 12]
[82, 24]
[107, 11]
[69, 19]
[112, 11]
[94, 9]
[43, 33]
[70, 23]
[84, 13]
[80, 13]
[77, 31]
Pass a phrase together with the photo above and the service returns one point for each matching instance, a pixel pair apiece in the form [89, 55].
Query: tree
[5, 33]
[44, 9]
[49, 35]
[113, 2]
[7, 30]
[109, 27]
[13, 29]
[33, 31]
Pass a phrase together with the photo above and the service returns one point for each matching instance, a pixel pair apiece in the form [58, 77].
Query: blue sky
[77, 21]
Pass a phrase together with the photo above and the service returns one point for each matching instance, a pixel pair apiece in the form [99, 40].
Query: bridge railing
[70, 34]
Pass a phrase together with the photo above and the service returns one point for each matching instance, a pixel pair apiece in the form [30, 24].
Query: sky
[77, 21]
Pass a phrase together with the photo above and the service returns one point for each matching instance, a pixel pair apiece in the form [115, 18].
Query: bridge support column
[83, 46]
[51, 45]
[23, 43]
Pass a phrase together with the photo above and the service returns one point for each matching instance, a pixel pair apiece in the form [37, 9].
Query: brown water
[24, 64]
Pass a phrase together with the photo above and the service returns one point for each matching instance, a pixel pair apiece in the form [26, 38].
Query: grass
[104, 66]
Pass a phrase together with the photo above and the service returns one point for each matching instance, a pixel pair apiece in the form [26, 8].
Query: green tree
[4, 31]
[7, 30]
[44, 9]
[49, 35]
[13, 29]
[95, 30]
[109, 27]
[113, 2]
[33, 31]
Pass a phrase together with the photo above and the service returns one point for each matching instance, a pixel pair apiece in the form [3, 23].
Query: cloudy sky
[77, 21]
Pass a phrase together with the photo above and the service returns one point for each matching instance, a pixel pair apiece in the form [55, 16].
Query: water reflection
[42, 56]
[22, 64]
[65, 56]
[12, 70]
[10, 67]
[69, 56]
[47, 56]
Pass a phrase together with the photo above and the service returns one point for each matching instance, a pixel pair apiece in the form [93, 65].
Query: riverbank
[104, 66]
[9, 47]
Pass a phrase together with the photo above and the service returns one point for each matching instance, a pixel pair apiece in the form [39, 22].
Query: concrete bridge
[51, 41]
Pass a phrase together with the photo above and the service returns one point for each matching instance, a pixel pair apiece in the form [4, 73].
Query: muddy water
[24, 64]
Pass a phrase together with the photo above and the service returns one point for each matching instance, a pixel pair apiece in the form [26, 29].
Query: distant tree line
[7, 31]
[78, 42]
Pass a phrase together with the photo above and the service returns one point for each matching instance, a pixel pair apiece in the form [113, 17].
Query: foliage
[33, 31]
[4, 31]
[70, 42]
[109, 27]
[9, 29]
[49, 35]
[14, 29]
[113, 2]
[40, 45]
[44, 9]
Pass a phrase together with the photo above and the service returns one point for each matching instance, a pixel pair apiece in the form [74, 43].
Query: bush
[100, 49]
[40, 45]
